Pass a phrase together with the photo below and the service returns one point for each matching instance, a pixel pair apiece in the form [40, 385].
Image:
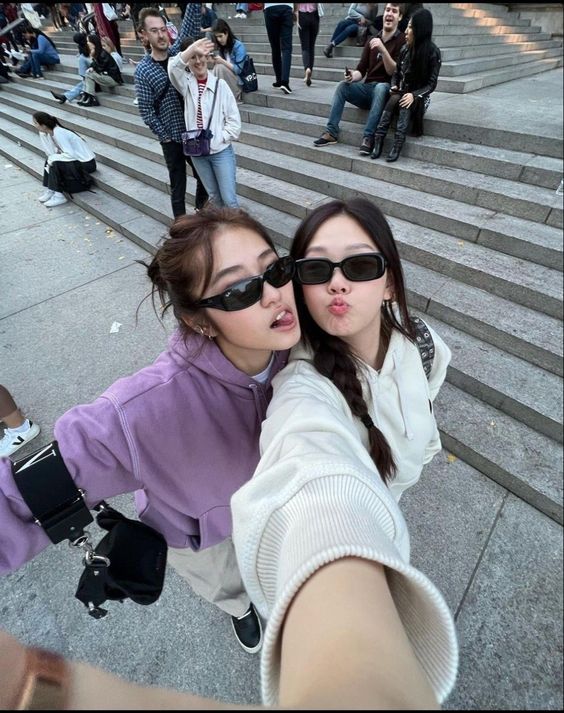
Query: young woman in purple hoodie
[183, 433]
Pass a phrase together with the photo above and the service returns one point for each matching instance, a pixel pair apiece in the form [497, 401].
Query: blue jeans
[217, 173]
[242, 7]
[345, 28]
[37, 59]
[370, 96]
[83, 64]
[74, 92]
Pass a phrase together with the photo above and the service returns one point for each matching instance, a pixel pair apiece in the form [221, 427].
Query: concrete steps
[516, 48]
[474, 214]
[495, 432]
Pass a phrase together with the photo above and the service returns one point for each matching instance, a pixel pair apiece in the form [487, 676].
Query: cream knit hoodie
[316, 496]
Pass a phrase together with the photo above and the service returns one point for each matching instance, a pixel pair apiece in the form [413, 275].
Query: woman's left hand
[406, 101]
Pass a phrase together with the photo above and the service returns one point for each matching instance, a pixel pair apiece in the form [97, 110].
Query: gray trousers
[104, 80]
[213, 573]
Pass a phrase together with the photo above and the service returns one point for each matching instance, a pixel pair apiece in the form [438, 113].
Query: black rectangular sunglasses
[356, 268]
[248, 292]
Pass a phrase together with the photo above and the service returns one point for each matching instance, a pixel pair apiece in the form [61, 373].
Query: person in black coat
[103, 71]
[416, 75]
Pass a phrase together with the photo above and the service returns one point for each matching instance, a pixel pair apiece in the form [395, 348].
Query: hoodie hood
[198, 352]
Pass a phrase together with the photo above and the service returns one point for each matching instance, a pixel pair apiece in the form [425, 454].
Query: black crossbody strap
[213, 103]
[51, 494]
[425, 344]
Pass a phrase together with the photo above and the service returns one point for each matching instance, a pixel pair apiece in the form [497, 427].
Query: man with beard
[160, 105]
[376, 66]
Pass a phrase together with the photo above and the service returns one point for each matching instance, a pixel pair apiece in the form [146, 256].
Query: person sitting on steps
[359, 15]
[103, 71]
[376, 66]
[84, 61]
[415, 78]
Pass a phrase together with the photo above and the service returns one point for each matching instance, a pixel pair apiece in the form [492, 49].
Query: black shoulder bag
[128, 563]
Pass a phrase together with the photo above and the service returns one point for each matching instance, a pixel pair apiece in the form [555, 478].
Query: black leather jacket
[401, 75]
[106, 64]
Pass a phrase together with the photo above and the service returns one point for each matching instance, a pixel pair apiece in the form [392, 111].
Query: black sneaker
[286, 88]
[325, 139]
[366, 146]
[248, 630]
[277, 85]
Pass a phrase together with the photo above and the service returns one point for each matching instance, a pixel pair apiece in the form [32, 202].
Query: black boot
[396, 149]
[89, 100]
[328, 51]
[401, 133]
[61, 98]
[378, 144]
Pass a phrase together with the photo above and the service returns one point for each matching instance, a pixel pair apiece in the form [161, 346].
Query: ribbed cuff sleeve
[284, 536]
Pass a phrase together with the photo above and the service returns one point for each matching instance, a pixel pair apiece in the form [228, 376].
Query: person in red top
[376, 66]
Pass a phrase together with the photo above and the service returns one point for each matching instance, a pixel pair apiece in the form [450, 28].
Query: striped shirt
[166, 120]
[201, 89]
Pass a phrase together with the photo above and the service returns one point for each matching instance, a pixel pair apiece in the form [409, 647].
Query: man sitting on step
[376, 66]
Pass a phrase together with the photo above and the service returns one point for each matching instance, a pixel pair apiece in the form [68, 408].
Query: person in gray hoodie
[183, 433]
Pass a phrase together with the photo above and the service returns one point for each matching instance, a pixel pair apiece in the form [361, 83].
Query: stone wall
[547, 15]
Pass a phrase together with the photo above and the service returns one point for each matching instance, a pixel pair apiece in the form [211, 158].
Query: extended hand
[204, 46]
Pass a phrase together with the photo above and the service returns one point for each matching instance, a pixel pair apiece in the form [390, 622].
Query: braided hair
[333, 357]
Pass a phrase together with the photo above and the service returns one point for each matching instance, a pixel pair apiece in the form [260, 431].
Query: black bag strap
[425, 344]
[213, 103]
[51, 494]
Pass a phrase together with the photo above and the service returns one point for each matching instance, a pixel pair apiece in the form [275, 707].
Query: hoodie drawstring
[404, 406]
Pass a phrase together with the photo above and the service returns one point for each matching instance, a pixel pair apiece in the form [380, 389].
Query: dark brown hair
[182, 267]
[148, 12]
[332, 356]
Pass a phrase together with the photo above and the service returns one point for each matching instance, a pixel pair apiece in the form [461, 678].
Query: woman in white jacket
[69, 163]
[188, 72]
[349, 428]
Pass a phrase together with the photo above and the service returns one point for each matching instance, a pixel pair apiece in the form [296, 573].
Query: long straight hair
[220, 26]
[422, 27]
[333, 357]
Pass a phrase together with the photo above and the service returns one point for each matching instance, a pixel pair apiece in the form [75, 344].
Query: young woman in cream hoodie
[349, 428]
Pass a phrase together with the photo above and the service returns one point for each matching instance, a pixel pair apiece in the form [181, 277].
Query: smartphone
[347, 72]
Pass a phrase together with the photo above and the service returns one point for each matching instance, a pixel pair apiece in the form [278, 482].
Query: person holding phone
[376, 66]
[413, 82]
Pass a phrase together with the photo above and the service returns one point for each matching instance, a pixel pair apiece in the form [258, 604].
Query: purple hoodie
[183, 433]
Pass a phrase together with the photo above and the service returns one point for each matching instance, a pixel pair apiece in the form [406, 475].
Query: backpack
[248, 74]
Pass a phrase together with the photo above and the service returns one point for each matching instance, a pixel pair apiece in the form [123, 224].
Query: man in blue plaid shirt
[160, 105]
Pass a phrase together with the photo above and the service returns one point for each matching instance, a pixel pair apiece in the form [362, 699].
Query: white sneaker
[136, 102]
[44, 197]
[14, 441]
[57, 199]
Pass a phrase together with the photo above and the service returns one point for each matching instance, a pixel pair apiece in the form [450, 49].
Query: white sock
[26, 425]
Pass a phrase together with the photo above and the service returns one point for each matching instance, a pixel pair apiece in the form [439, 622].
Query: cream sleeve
[313, 499]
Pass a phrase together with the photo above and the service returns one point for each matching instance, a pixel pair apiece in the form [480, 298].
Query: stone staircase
[474, 212]
[481, 44]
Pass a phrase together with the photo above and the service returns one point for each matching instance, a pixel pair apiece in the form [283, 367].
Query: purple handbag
[197, 142]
